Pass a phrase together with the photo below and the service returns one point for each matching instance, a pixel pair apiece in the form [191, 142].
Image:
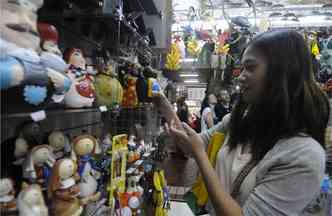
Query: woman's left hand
[189, 140]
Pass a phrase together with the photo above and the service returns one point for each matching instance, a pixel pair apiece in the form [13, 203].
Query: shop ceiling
[207, 9]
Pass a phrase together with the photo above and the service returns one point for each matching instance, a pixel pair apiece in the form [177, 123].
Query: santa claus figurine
[81, 93]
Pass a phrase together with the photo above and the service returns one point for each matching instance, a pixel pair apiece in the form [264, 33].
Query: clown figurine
[82, 92]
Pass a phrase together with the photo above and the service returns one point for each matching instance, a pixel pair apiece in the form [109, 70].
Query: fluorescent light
[192, 81]
[189, 75]
[187, 60]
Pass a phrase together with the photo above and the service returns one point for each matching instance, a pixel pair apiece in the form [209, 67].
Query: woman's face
[253, 75]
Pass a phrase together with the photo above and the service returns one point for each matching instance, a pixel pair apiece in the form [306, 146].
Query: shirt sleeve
[220, 127]
[290, 184]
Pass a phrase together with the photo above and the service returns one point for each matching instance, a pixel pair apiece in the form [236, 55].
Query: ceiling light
[192, 81]
[189, 75]
[187, 60]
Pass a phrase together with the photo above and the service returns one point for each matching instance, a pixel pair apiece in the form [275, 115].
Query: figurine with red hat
[49, 38]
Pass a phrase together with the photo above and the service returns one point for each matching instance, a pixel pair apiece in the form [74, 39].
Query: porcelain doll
[109, 91]
[20, 151]
[19, 27]
[60, 144]
[30, 201]
[82, 92]
[63, 191]
[38, 165]
[49, 37]
[130, 98]
[7, 196]
[49, 44]
[20, 64]
[82, 152]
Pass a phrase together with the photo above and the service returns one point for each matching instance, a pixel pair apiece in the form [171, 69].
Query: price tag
[38, 116]
[103, 108]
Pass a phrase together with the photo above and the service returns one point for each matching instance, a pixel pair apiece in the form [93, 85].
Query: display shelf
[50, 113]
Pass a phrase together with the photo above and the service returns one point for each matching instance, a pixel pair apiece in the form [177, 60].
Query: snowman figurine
[63, 191]
[82, 92]
[30, 201]
[82, 151]
[7, 196]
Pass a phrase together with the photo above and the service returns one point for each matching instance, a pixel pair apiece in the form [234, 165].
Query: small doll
[82, 91]
[63, 191]
[38, 165]
[82, 151]
[60, 144]
[109, 91]
[30, 201]
[49, 38]
[7, 196]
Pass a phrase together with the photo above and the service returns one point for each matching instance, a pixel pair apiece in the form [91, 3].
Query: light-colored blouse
[284, 182]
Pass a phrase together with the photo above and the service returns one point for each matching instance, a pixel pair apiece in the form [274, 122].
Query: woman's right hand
[188, 140]
[166, 109]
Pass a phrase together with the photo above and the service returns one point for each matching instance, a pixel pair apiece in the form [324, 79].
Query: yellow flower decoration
[173, 58]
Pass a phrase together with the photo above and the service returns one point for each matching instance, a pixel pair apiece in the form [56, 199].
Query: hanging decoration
[173, 58]
[193, 48]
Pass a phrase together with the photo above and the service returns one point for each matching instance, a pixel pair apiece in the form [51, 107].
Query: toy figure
[82, 92]
[63, 191]
[34, 77]
[30, 201]
[60, 144]
[83, 148]
[37, 167]
[7, 196]
[130, 99]
[49, 44]
[109, 91]
[49, 38]
[21, 150]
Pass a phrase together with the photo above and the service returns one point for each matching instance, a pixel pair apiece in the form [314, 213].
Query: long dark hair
[292, 102]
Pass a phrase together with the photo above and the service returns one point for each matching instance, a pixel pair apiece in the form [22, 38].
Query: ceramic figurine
[82, 151]
[109, 91]
[60, 144]
[21, 66]
[18, 22]
[7, 196]
[49, 37]
[130, 94]
[30, 201]
[63, 191]
[21, 150]
[49, 44]
[82, 92]
[37, 167]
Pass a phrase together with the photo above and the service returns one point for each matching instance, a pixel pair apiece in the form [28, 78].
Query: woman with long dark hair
[273, 159]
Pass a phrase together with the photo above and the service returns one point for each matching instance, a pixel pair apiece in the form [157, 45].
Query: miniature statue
[60, 144]
[49, 38]
[7, 196]
[82, 92]
[30, 201]
[63, 191]
[35, 77]
[83, 148]
[21, 150]
[109, 91]
[37, 167]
